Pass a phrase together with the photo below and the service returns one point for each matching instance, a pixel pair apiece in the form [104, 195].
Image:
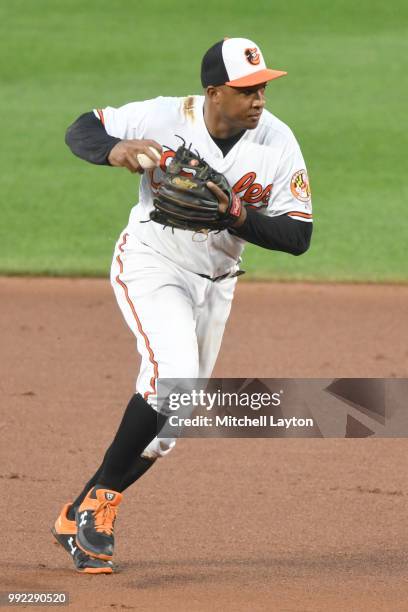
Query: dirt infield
[232, 525]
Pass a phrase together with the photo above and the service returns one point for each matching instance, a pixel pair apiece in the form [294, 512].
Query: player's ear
[215, 94]
[212, 92]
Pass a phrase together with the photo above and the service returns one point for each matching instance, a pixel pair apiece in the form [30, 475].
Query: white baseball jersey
[265, 168]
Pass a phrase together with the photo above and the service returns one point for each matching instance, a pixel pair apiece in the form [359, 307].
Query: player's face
[242, 107]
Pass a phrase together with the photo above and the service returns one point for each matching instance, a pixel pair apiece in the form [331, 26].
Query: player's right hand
[124, 154]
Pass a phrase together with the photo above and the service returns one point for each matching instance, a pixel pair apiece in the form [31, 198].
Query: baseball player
[161, 274]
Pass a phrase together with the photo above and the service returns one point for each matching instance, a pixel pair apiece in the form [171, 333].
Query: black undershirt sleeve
[275, 233]
[88, 139]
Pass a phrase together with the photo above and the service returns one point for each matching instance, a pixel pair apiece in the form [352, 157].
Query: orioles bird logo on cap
[252, 56]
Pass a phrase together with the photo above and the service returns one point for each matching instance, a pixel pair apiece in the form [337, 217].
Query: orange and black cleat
[95, 520]
[64, 531]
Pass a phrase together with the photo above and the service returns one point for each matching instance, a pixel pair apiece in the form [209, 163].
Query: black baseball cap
[237, 62]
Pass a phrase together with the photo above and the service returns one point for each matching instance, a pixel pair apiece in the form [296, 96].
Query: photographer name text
[245, 421]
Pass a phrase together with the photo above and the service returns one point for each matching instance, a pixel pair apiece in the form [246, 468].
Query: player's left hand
[223, 202]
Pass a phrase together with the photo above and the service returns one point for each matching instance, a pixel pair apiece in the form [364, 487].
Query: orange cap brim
[262, 76]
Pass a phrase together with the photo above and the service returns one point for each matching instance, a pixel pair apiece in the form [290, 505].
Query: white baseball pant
[177, 316]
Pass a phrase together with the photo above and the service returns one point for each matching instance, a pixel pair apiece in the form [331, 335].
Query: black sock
[139, 425]
[87, 487]
[139, 467]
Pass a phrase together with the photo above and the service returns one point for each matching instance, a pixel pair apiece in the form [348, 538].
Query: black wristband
[88, 139]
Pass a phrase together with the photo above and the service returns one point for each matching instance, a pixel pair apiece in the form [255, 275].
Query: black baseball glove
[184, 201]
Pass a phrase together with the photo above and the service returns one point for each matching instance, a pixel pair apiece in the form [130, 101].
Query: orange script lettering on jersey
[252, 192]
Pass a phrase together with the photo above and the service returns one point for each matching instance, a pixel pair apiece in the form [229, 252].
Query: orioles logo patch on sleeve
[299, 186]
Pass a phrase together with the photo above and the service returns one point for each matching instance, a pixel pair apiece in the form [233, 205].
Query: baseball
[145, 161]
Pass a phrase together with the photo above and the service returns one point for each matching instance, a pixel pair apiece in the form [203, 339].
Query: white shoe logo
[83, 518]
[70, 544]
[109, 496]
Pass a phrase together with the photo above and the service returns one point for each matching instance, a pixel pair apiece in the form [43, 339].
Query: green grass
[344, 98]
